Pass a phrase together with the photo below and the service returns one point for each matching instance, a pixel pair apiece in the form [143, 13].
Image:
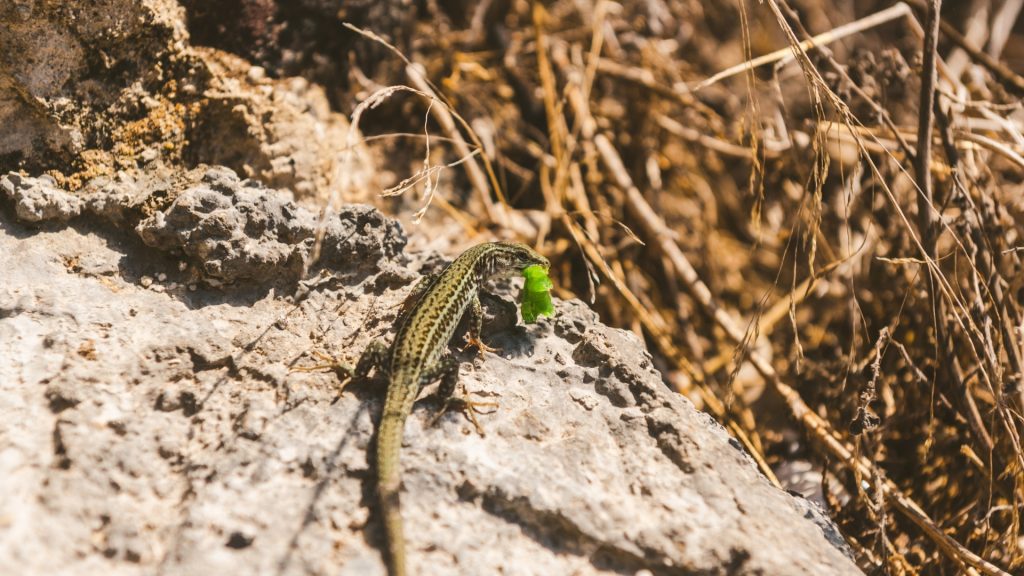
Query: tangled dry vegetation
[842, 293]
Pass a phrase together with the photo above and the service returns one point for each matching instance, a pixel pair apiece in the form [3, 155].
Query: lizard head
[512, 257]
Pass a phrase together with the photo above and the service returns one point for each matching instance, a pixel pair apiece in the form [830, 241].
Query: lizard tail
[389, 440]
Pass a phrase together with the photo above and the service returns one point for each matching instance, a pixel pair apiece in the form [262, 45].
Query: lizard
[419, 355]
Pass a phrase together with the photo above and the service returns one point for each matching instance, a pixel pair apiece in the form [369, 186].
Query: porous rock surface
[93, 88]
[154, 420]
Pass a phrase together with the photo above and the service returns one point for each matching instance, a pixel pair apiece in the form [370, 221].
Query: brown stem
[922, 160]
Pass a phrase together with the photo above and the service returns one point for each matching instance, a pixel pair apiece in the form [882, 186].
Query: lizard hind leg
[343, 370]
[374, 356]
[447, 369]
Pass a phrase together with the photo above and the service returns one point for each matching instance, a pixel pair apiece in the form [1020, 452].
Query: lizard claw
[479, 344]
[329, 362]
[469, 408]
[344, 371]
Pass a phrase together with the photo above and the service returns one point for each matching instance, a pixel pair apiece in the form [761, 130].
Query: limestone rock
[39, 199]
[151, 424]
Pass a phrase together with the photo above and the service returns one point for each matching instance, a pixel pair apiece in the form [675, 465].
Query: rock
[66, 67]
[88, 89]
[235, 230]
[39, 199]
[230, 230]
[169, 431]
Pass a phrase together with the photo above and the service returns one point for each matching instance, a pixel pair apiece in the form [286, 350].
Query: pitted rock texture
[39, 199]
[229, 230]
[150, 428]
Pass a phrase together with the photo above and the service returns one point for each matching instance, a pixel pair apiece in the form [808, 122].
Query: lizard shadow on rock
[501, 325]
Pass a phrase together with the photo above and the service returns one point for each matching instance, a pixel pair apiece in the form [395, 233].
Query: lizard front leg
[476, 323]
[413, 298]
